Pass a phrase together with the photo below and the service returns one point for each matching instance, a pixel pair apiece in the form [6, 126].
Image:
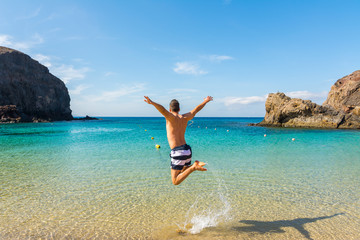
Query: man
[176, 124]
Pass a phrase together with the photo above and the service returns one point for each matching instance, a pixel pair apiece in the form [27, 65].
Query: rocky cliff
[345, 94]
[340, 110]
[29, 92]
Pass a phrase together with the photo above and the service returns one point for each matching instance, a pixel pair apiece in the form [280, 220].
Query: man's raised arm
[159, 107]
[200, 106]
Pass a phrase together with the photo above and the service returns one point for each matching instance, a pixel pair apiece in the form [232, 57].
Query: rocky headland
[29, 92]
[340, 110]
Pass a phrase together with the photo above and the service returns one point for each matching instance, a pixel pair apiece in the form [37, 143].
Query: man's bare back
[175, 127]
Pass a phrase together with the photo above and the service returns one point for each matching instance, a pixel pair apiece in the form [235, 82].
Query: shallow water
[105, 180]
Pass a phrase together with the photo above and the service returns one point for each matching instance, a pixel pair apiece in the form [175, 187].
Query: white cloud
[44, 60]
[228, 101]
[78, 89]
[188, 68]
[68, 72]
[109, 96]
[65, 72]
[8, 41]
[306, 95]
[219, 58]
[5, 40]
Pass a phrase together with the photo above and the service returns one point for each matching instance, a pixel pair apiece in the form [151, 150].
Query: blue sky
[112, 53]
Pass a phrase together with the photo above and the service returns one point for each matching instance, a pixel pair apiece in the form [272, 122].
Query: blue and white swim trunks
[180, 157]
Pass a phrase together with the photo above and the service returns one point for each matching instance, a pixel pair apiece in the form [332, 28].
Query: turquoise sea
[106, 180]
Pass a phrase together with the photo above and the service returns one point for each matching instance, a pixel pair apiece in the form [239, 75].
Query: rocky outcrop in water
[340, 110]
[87, 118]
[29, 92]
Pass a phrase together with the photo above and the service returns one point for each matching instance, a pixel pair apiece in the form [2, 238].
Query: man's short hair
[174, 106]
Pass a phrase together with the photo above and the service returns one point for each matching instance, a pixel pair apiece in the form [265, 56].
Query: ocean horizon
[104, 179]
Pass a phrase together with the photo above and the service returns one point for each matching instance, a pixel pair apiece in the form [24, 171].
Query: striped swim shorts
[180, 157]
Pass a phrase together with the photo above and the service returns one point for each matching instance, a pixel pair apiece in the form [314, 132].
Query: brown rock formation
[340, 110]
[345, 93]
[35, 92]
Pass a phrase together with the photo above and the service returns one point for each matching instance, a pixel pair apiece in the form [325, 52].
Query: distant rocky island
[340, 110]
[29, 92]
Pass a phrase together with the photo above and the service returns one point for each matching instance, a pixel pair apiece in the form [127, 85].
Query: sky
[110, 54]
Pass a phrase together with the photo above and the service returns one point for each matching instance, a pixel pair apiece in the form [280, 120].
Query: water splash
[209, 209]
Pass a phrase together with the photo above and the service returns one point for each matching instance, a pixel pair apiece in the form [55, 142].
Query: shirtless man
[176, 125]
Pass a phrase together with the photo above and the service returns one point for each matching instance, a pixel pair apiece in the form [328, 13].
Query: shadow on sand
[263, 227]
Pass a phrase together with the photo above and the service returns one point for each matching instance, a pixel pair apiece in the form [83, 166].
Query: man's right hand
[147, 99]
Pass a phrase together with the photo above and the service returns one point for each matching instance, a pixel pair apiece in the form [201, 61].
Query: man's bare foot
[198, 166]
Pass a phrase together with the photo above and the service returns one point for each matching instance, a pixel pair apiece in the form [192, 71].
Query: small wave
[95, 130]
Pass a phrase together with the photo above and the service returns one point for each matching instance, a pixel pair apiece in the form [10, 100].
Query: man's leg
[177, 176]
